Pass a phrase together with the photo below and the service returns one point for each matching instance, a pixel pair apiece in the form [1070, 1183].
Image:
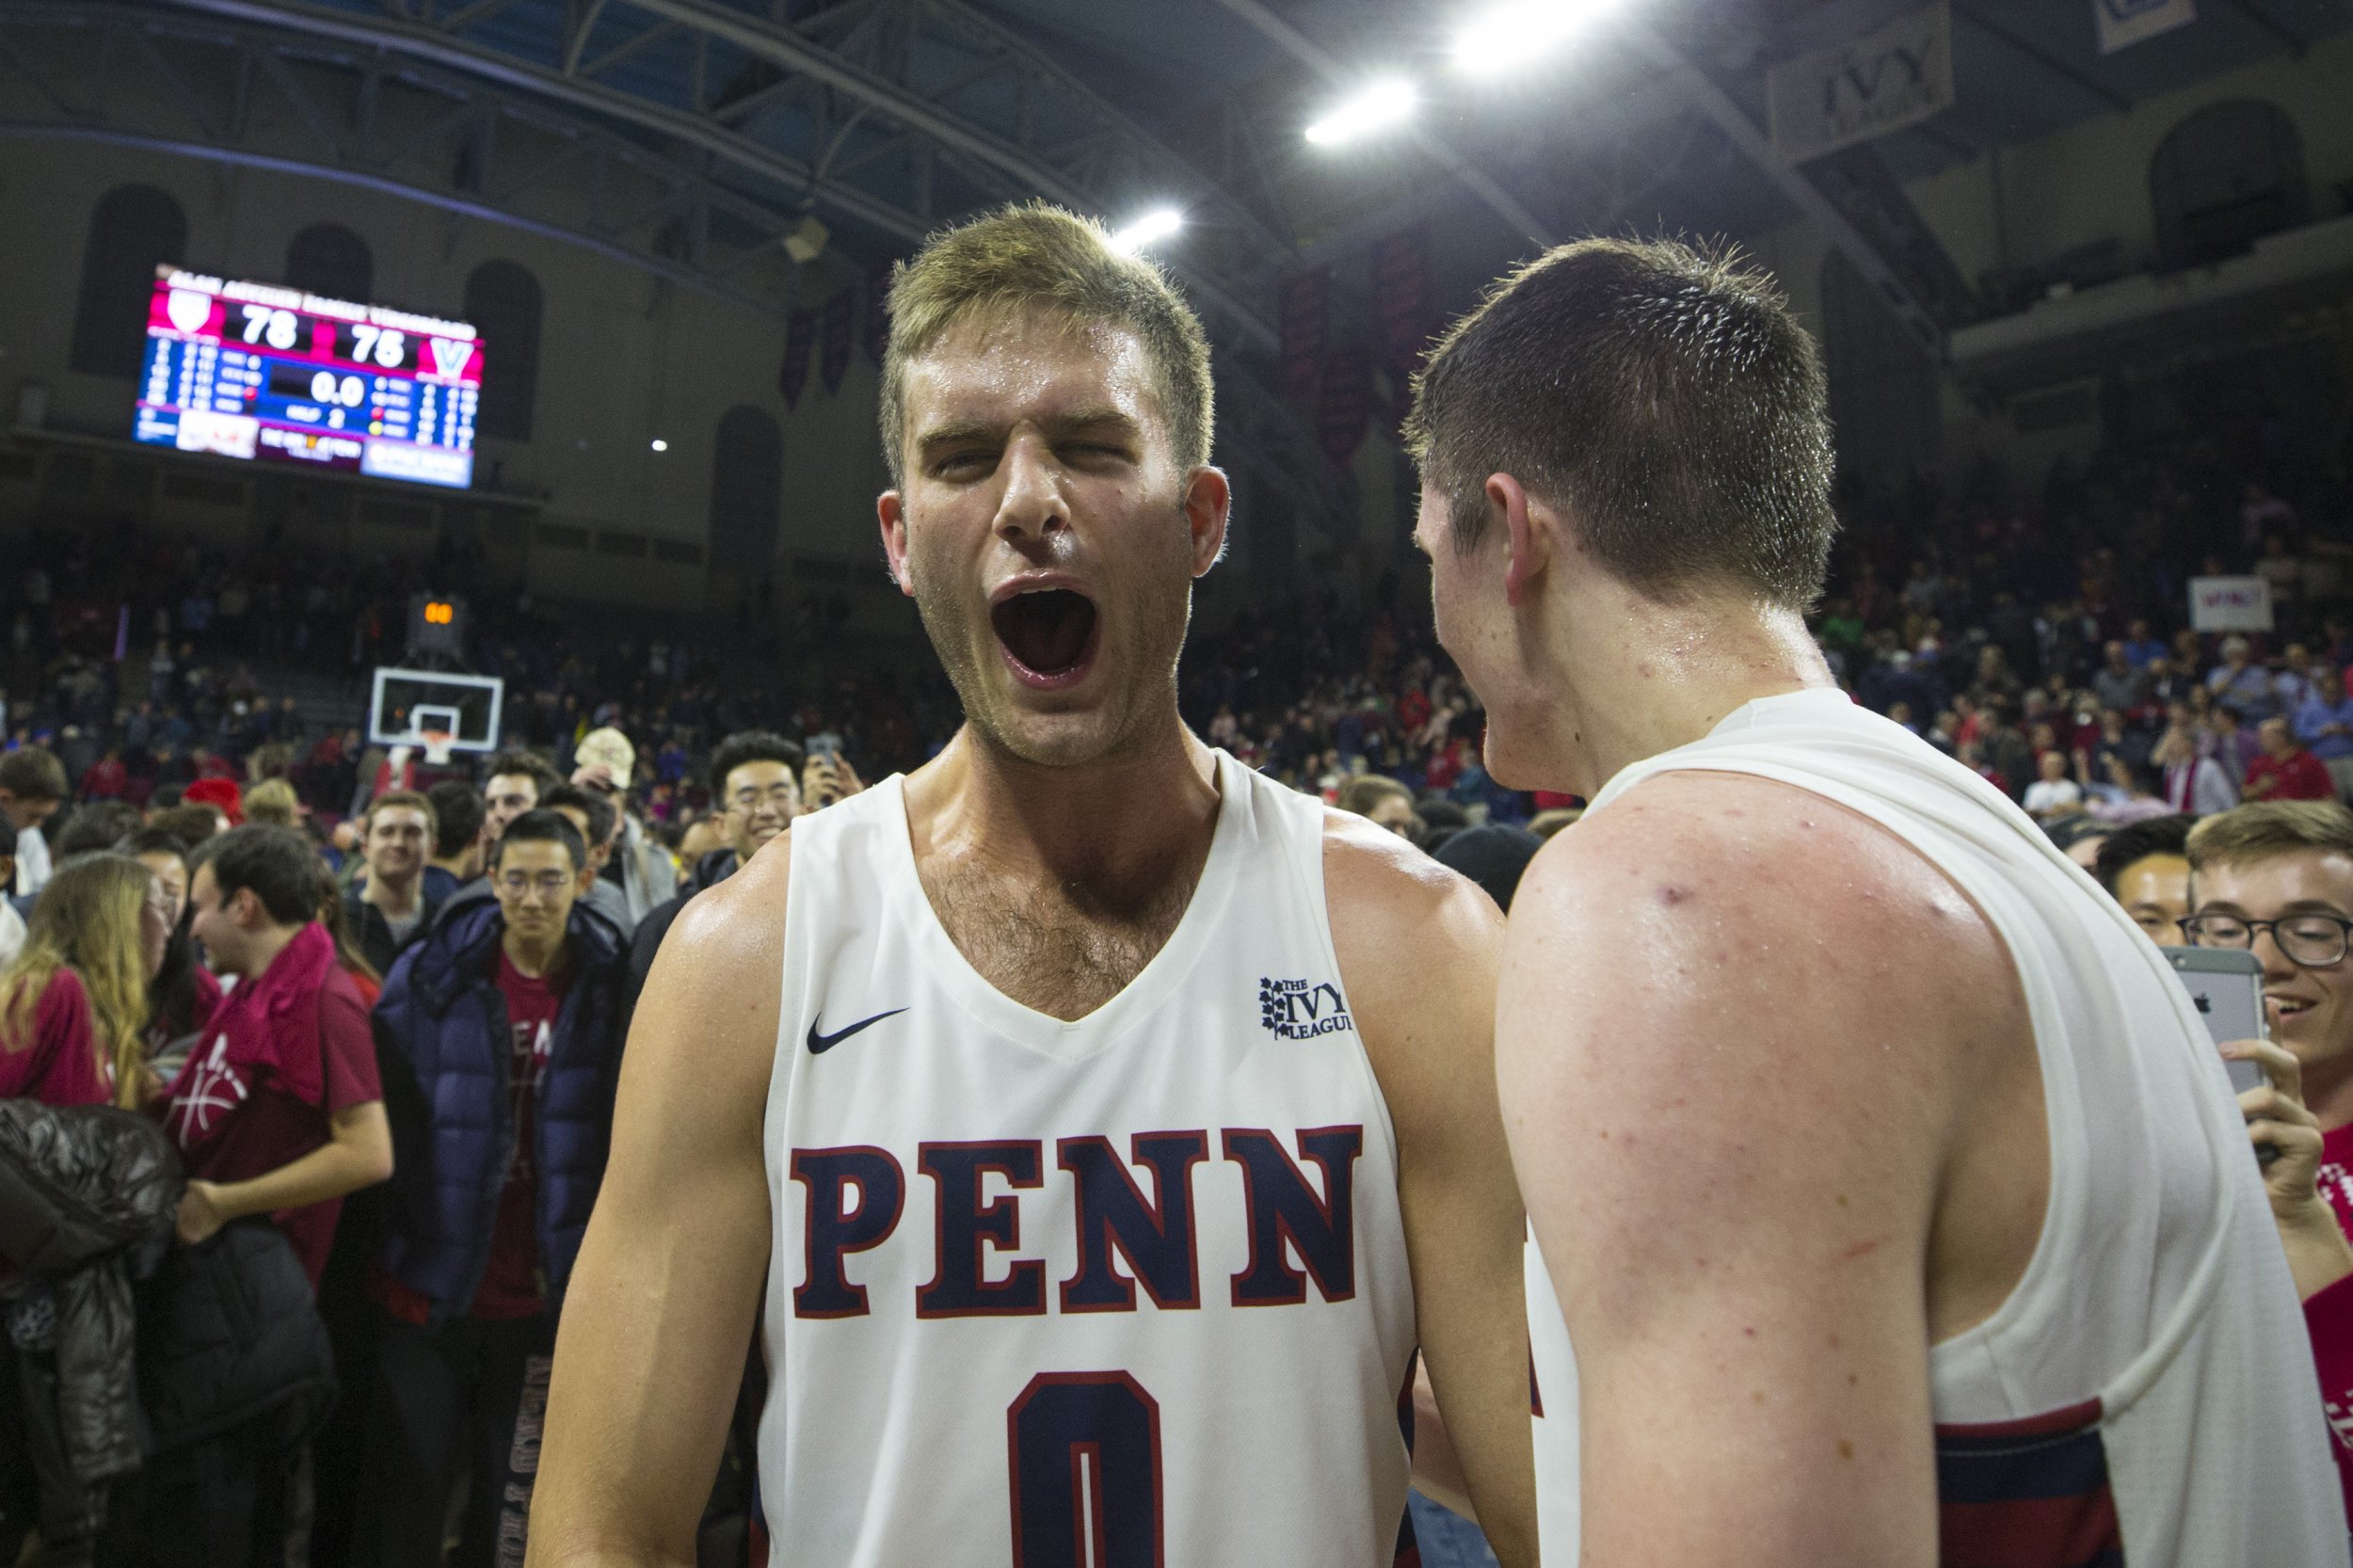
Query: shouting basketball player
[1924, 1186]
[1109, 1123]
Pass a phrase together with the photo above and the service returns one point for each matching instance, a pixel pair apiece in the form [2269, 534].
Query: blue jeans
[1448, 1540]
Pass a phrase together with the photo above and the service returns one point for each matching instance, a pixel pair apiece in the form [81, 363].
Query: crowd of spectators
[188, 792]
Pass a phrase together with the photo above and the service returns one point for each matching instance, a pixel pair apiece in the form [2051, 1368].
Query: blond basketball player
[1917, 1223]
[1109, 1125]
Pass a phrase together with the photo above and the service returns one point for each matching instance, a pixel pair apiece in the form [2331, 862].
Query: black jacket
[79, 1189]
[228, 1332]
[371, 934]
[712, 870]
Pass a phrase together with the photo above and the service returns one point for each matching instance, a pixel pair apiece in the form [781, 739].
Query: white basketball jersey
[2146, 1395]
[1117, 1293]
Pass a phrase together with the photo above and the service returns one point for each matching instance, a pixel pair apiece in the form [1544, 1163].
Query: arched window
[747, 490]
[133, 230]
[2223, 178]
[503, 302]
[328, 258]
[1883, 406]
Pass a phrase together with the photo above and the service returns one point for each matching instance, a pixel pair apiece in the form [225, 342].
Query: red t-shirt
[510, 1285]
[2329, 1315]
[58, 1066]
[2301, 776]
[284, 1053]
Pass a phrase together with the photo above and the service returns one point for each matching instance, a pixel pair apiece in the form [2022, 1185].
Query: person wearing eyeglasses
[501, 1036]
[2276, 878]
[757, 785]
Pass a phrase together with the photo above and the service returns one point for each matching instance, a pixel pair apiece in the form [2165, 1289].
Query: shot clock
[256, 371]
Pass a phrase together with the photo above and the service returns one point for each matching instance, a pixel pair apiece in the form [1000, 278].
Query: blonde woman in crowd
[74, 1005]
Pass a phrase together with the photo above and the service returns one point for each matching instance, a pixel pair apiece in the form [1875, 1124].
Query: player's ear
[1209, 507]
[1528, 539]
[890, 513]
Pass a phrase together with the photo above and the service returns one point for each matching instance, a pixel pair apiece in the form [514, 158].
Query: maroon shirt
[2329, 1314]
[2301, 776]
[510, 1287]
[58, 1066]
[282, 1054]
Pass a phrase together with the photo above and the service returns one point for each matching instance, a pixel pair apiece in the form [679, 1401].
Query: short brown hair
[2269, 828]
[1035, 256]
[1664, 394]
[408, 798]
[1366, 790]
[33, 773]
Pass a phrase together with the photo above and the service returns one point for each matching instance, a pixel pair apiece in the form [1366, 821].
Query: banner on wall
[1304, 328]
[1401, 302]
[800, 336]
[1880, 82]
[2229, 604]
[839, 329]
[2125, 22]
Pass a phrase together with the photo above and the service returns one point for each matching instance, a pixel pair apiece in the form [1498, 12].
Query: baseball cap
[612, 748]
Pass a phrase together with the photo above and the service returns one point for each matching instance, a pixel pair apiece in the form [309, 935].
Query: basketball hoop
[437, 747]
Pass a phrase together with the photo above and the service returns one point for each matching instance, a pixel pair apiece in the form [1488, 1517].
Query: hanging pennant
[834, 362]
[877, 310]
[1306, 300]
[1346, 402]
[800, 336]
[1400, 303]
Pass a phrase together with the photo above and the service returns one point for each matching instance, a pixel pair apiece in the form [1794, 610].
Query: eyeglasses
[781, 795]
[2314, 941]
[548, 884]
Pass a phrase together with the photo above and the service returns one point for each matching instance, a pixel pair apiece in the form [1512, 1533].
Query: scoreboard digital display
[257, 371]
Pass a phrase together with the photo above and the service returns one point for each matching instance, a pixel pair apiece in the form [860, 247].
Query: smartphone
[2227, 983]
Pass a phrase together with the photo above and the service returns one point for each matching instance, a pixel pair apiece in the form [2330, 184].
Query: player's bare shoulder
[1747, 886]
[717, 979]
[1379, 888]
[1418, 944]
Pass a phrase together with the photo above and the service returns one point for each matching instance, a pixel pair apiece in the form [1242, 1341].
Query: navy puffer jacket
[443, 1041]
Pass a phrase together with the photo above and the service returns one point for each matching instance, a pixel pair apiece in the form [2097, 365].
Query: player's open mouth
[1047, 635]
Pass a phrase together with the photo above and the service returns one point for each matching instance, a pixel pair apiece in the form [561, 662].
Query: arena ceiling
[725, 124]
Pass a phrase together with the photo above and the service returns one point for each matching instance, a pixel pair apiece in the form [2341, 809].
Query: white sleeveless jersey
[1131, 1290]
[2147, 1390]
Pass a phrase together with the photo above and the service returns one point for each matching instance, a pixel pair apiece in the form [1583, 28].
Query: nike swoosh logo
[820, 1044]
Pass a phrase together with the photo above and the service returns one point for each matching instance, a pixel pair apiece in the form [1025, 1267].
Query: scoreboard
[257, 371]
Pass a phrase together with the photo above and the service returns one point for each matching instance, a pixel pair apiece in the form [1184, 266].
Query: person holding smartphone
[2277, 879]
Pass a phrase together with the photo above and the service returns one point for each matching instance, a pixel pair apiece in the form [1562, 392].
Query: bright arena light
[662, 446]
[1507, 37]
[1150, 229]
[1381, 103]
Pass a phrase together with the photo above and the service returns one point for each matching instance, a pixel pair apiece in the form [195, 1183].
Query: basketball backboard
[408, 706]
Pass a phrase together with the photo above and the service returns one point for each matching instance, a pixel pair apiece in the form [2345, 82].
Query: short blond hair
[1036, 256]
[272, 801]
[2269, 828]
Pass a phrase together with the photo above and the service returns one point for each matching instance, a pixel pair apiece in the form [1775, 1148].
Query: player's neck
[1100, 824]
[1641, 676]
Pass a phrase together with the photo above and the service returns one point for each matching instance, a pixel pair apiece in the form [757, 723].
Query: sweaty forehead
[992, 373]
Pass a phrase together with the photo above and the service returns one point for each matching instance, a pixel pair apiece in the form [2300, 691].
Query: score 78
[278, 328]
